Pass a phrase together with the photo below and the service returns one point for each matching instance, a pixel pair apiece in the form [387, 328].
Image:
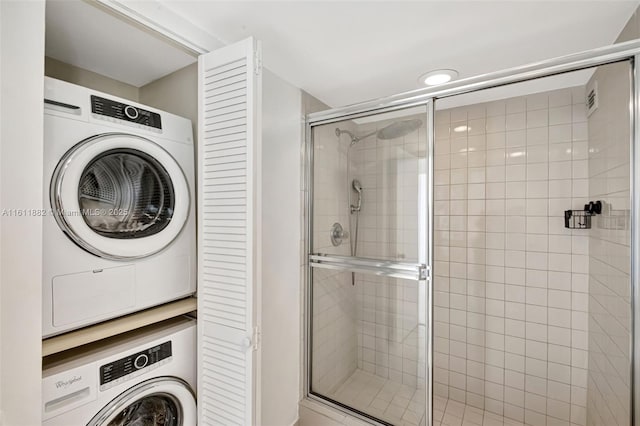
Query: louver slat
[228, 147]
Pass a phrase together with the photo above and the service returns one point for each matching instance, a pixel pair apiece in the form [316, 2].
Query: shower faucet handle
[338, 234]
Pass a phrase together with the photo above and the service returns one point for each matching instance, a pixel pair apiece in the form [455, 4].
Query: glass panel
[532, 319]
[125, 193]
[153, 410]
[366, 178]
[368, 343]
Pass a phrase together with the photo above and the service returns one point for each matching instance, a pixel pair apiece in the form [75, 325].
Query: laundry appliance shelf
[116, 326]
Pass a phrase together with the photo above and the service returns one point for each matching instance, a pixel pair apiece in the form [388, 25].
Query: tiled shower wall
[334, 330]
[334, 352]
[391, 335]
[389, 171]
[510, 281]
[390, 331]
[609, 248]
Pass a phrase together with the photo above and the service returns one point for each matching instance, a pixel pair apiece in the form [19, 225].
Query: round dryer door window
[163, 401]
[125, 193]
[120, 196]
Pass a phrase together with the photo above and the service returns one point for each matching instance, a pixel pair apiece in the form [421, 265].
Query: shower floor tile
[452, 413]
[403, 405]
[385, 399]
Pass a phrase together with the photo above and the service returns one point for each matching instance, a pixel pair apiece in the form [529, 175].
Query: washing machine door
[162, 401]
[120, 196]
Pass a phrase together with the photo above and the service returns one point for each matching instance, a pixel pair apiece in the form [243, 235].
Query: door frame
[153, 16]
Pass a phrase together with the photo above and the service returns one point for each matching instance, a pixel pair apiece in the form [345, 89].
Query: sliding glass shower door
[367, 290]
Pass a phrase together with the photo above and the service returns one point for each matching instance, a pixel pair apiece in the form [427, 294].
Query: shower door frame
[628, 51]
[419, 272]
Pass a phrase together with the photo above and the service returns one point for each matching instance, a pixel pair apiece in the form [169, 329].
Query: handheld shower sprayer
[355, 209]
[358, 188]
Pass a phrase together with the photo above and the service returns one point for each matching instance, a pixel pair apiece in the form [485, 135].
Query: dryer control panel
[118, 110]
[116, 372]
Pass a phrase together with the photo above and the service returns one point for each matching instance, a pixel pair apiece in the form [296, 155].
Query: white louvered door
[229, 88]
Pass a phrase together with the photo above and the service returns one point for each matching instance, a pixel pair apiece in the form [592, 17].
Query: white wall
[176, 93]
[76, 75]
[281, 211]
[21, 104]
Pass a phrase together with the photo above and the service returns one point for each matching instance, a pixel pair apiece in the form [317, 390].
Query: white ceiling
[83, 35]
[345, 52]
[348, 52]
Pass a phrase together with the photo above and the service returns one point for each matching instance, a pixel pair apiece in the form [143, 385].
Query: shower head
[353, 137]
[399, 129]
[394, 130]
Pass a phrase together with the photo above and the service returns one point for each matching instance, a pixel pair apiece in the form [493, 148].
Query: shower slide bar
[384, 268]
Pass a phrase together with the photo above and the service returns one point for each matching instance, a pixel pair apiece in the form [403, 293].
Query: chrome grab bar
[380, 267]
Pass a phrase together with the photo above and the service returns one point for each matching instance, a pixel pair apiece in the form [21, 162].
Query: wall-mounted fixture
[581, 219]
[338, 234]
[437, 77]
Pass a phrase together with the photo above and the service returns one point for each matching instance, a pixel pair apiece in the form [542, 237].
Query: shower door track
[564, 64]
[627, 51]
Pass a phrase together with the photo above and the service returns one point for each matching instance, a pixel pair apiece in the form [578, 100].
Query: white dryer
[142, 378]
[119, 223]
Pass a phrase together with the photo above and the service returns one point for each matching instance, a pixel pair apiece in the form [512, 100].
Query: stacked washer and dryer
[119, 237]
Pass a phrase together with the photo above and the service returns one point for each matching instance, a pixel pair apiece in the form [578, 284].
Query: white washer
[145, 377]
[119, 218]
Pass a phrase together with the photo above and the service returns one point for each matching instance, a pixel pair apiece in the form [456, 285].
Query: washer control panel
[131, 366]
[106, 108]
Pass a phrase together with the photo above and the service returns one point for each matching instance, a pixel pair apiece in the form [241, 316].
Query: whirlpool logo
[66, 383]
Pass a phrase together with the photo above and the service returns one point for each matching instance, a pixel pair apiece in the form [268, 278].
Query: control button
[141, 361]
[131, 112]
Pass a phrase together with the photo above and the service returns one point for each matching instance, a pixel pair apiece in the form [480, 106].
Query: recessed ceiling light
[436, 77]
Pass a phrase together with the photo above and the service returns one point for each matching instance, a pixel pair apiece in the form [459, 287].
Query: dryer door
[165, 401]
[120, 196]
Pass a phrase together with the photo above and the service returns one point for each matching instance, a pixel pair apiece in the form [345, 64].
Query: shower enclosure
[471, 249]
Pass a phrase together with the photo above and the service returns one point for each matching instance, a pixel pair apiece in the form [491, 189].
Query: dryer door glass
[120, 196]
[125, 193]
[152, 410]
